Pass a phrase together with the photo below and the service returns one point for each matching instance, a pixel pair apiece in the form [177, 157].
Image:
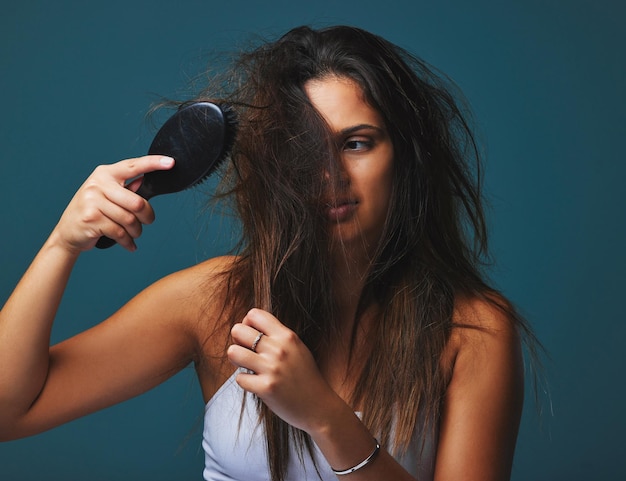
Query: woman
[353, 335]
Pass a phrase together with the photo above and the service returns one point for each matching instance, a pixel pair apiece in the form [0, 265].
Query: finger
[93, 216]
[122, 218]
[277, 333]
[246, 336]
[131, 168]
[262, 321]
[115, 223]
[131, 202]
[249, 382]
[134, 185]
[243, 357]
[120, 235]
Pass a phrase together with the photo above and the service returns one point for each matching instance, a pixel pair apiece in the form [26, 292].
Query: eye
[358, 144]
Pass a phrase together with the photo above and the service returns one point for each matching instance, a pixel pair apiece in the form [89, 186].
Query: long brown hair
[434, 242]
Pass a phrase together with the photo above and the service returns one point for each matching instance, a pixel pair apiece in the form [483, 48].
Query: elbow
[9, 432]
[13, 424]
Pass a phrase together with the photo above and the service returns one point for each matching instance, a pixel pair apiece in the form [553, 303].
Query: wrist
[344, 440]
[334, 413]
[370, 458]
[57, 244]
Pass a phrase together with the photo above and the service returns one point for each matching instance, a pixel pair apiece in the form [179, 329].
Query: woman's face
[358, 199]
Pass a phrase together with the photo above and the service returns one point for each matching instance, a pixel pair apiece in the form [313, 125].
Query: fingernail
[166, 161]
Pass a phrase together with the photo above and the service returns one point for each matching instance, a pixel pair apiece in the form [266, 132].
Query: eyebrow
[355, 128]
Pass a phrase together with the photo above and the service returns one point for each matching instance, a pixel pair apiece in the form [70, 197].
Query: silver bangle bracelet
[363, 463]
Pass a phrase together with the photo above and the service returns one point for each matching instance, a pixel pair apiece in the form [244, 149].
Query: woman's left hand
[282, 371]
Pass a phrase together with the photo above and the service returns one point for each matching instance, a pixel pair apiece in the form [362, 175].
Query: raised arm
[42, 387]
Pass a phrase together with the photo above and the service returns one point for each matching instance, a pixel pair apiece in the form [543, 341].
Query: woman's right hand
[107, 205]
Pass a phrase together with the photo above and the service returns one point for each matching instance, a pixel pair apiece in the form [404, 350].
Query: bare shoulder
[484, 397]
[485, 343]
[484, 323]
[209, 271]
[196, 293]
[179, 309]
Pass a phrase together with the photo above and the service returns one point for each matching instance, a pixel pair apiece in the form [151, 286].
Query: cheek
[384, 182]
[379, 190]
[386, 193]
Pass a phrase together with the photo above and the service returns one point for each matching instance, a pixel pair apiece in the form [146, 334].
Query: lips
[341, 210]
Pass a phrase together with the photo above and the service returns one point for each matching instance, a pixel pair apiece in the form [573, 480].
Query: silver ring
[256, 342]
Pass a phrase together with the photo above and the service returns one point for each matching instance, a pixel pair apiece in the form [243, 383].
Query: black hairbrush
[199, 137]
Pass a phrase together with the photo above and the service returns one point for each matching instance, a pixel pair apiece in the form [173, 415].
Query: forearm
[283, 373]
[25, 326]
[345, 442]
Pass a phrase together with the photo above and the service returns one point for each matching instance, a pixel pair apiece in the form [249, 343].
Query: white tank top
[234, 447]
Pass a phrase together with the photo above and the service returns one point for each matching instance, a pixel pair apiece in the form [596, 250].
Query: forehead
[342, 103]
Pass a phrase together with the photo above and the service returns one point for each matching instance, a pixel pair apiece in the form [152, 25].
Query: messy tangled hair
[433, 242]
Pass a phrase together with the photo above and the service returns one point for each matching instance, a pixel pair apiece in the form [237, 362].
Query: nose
[334, 174]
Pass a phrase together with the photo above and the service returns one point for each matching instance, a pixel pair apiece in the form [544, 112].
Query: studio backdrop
[545, 80]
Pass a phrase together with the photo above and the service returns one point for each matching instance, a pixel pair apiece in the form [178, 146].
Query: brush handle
[105, 242]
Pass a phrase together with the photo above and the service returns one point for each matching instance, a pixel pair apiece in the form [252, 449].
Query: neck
[341, 366]
[349, 275]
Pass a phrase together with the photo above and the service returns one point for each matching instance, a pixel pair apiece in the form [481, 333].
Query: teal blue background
[546, 81]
